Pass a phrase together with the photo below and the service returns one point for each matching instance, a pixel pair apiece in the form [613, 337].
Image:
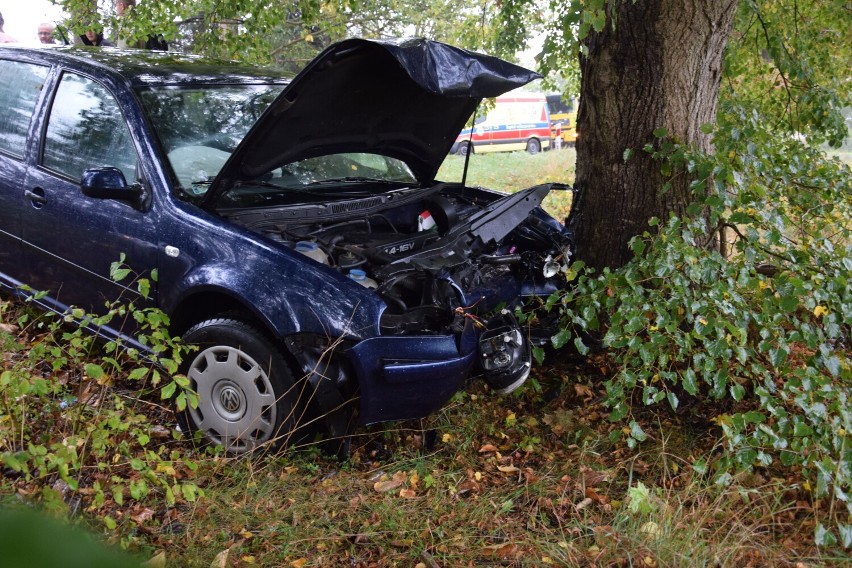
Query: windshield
[350, 174]
[199, 127]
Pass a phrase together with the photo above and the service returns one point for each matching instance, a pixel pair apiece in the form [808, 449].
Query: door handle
[36, 195]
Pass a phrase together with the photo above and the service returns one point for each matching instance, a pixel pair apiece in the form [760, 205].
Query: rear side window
[87, 130]
[20, 85]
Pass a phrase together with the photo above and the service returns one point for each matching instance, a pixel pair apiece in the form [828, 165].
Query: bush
[80, 417]
[745, 306]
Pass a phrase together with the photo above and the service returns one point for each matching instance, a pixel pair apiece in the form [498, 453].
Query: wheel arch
[210, 304]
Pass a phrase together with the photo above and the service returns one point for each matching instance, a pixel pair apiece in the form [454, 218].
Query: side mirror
[109, 183]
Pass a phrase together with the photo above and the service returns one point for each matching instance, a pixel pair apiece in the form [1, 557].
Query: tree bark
[656, 64]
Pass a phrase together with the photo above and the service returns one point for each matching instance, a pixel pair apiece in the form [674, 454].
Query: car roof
[143, 68]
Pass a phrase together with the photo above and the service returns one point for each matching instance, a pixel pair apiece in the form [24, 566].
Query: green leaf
[673, 400]
[94, 371]
[168, 390]
[737, 391]
[137, 373]
[823, 536]
[637, 432]
[628, 153]
[660, 132]
[538, 355]
[640, 499]
[689, 382]
[560, 339]
[845, 534]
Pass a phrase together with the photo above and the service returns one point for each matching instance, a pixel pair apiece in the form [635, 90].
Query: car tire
[464, 148]
[533, 146]
[247, 396]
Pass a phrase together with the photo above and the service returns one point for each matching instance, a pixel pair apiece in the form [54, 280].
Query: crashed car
[298, 233]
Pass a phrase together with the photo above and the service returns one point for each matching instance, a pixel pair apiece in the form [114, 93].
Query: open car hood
[407, 99]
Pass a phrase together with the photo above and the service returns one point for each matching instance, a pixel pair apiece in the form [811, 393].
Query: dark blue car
[297, 229]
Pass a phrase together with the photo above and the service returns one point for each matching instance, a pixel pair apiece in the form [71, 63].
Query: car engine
[432, 254]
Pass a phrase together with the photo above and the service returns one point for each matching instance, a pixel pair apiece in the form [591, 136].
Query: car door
[70, 240]
[18, 99]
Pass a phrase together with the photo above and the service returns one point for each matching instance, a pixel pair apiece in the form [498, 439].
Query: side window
[18, 99]
[87, 130]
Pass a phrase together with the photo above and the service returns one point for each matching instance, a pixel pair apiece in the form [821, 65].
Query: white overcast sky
[23, 17]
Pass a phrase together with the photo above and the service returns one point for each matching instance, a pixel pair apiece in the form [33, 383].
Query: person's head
[121, 6]
[45, 32]
[92, 36]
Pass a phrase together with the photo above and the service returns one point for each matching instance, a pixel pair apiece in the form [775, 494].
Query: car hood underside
[406, 99]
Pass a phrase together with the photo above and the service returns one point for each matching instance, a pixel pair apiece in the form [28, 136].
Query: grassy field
[518, 170]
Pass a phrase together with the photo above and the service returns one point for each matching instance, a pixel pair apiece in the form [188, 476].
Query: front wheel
[247, 396]
[464, 149]
[533, 146]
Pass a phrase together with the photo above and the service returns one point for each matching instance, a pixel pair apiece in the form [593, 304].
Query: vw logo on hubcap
[230, 399]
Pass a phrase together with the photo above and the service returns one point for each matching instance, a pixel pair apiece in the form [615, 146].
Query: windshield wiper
[356, 179]
[292, 191]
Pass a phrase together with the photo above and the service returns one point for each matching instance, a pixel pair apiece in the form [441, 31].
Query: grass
[511, 171]
[505, 484]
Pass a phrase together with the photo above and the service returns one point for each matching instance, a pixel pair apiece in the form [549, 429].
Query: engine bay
[432, 254]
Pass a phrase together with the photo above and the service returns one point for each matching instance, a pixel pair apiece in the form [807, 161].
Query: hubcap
[236, 401]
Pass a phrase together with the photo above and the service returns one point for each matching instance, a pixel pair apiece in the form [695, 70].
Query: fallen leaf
[652, 529]
[159, 431]
[299, 563]
[487, 448]
[221, 559]
[508, 468]
[385, 486]
[583, 391]
[8, 328]
[407, 493]
[466, 487]
[583, 504]
[592, 494]
[142, 515]
[508, 550]
[157, 561]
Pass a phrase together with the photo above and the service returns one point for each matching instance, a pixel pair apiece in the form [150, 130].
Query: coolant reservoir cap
[357, 274]
[306, 246]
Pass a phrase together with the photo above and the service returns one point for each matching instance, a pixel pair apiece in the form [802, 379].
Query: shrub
[745, 306]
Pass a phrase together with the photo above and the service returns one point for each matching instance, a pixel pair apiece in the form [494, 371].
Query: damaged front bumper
[410, 377]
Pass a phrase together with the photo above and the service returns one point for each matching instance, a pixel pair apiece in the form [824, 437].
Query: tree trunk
[657, 65]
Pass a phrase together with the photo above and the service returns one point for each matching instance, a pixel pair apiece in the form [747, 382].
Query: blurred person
[95, 37]
[4, 37]
[45, 33]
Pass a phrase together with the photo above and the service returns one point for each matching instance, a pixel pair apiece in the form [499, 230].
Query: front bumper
[411, 376]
